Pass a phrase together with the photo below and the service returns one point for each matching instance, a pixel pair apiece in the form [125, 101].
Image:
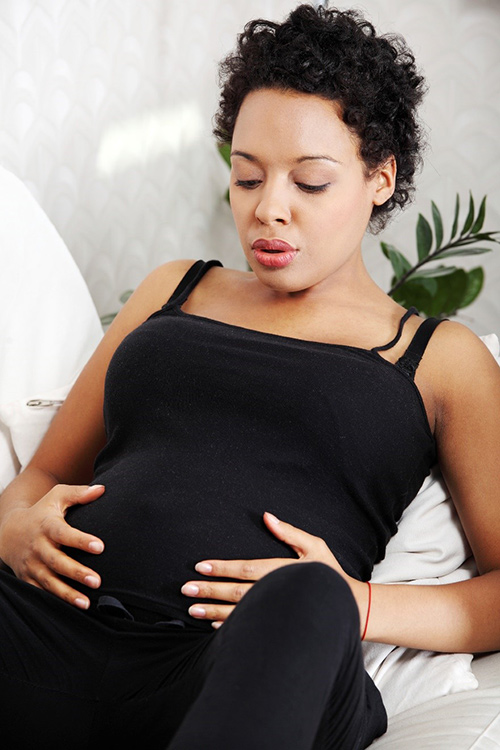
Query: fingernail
[92, 581]
[96, 546]
[272, 518]
[82, 603]
[203, 567]
[216, 625]
[190, 589]
[196, 611]
[95, 486]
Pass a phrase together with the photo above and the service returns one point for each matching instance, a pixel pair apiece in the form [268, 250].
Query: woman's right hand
[31, 539]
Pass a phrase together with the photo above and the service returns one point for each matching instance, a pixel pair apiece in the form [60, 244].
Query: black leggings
[284, 671]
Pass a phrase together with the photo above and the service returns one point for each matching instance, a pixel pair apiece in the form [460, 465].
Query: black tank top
[210, 424]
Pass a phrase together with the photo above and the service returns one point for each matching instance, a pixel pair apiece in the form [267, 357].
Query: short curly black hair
[337, 55]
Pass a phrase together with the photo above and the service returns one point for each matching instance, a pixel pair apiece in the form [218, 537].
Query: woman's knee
[312, 588]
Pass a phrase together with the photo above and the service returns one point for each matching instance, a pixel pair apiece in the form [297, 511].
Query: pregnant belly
[153, 539]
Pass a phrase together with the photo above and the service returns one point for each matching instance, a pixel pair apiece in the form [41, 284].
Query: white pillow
[27, 421]
[50, 326]
[430, 547]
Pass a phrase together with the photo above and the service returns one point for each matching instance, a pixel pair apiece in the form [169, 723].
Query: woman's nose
[273, 206]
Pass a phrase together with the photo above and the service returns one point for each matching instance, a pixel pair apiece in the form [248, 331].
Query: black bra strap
[410, 360]
[189, 281]
[394, 341]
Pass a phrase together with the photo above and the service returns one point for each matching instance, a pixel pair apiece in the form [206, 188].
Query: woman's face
[297, 178]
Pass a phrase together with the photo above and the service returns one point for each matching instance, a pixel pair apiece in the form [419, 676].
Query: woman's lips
[273, 253]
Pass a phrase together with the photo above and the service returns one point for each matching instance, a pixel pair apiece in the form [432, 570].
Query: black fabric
[410, 360]
[189, 281]
[284, 671]
[394, 341]
[210, 424]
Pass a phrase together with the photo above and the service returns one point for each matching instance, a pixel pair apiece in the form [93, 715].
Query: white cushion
[49, 322]
[27, 421]
[50, 326]
[463, 721]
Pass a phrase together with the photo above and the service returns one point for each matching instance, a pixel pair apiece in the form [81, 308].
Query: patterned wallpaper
[106, 106]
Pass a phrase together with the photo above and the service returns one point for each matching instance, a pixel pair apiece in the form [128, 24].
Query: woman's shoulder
[459, 352]
[163, 280]
[464, 372]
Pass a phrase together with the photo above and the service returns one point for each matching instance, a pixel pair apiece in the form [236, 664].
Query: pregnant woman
[233, 426]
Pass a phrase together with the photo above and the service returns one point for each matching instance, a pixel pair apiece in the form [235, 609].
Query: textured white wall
[105, 113]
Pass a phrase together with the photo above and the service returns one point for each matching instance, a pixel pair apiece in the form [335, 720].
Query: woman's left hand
[309, 548]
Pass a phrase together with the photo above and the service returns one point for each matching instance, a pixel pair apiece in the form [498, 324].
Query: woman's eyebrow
[250, 157]
[320, 156]
[244, 155]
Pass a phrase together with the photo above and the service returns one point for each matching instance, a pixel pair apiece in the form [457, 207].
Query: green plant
[441, 290]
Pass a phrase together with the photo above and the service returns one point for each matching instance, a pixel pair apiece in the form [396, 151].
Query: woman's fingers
[46, 580]
[76, 494]
[224, 591]
[304, 544]
[208, 611]
[307, 546]
[61, 533]
[44, 571]
[299, 540]
[243, 570]
[34, 536]
[61, 564]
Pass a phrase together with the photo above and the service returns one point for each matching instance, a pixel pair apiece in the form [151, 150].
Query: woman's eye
[312, 188]
[248, 184]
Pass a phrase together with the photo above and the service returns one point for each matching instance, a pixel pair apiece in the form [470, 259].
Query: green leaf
[433, 273]
[475, 281]
[225, 152]
[386, 247]
[470, 216]
[450, 293]
[125, 296]
[455, 218]
[482, 236]
[434, 297]
[399, 263]
[417, 294]
[438, 224]
[424, 237]
[473, 239]
[478, 224]
[465, 251]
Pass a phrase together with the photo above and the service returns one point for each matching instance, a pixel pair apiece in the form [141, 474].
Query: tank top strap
[410, 360]
[394, 341]
[189, 281]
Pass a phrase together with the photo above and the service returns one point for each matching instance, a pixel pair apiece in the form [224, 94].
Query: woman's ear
[385, 181]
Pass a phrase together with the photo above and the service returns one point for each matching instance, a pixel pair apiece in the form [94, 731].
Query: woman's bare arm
[32, 508]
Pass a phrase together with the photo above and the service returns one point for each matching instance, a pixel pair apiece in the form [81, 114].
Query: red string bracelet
[368, 610]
